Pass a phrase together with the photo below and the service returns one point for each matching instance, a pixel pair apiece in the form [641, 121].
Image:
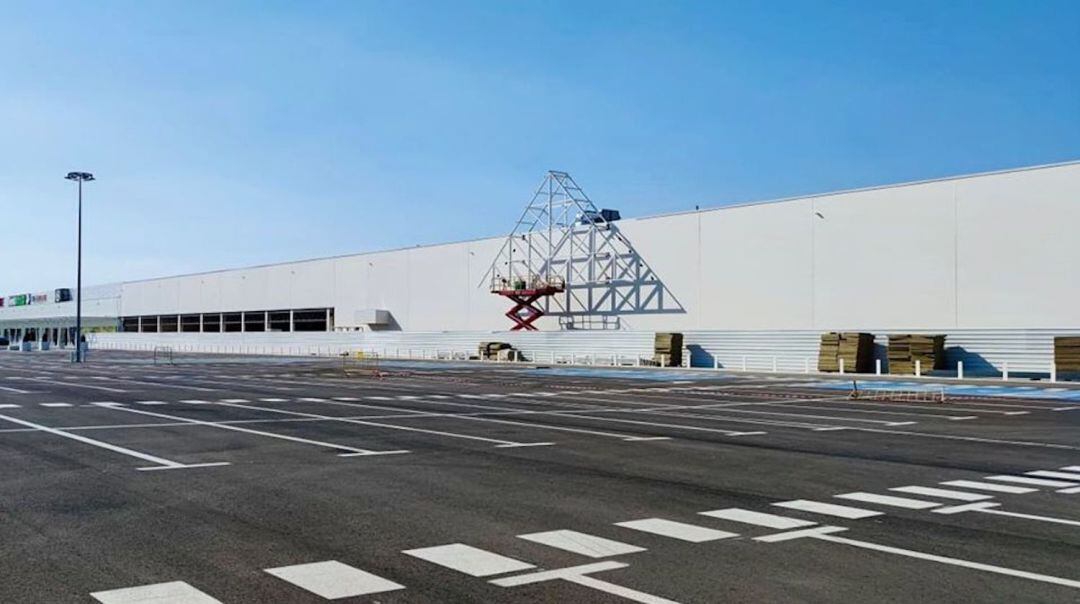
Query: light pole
[79, 177]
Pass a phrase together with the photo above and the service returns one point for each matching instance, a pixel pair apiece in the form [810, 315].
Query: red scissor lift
[525, 297]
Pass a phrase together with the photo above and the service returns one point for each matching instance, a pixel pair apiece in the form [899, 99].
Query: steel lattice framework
[563, 246]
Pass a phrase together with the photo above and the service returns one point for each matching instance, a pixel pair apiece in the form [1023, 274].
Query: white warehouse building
[990, 260]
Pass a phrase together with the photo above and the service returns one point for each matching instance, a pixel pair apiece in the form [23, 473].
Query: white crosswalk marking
[333, 580]
[830, 509]
[151, 403]
[1050, 474]
[176, 592]
[676, 530]
[55, 404]
[469, 560]
[273, 400]
[899, 502]
[1039, 482]
[1071, 468]
[989, 486]
[582, 543]
[759, 518]
[10, 406]
[942, 493]
[233, 400]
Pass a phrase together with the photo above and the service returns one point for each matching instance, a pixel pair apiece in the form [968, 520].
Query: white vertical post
[715, 362]
[877, 366]
[1005, 371]
[806, 365]
[744, 363]
[841, 366]
[918, 368]
[1053, 372]
[774, 366]
[959, 370]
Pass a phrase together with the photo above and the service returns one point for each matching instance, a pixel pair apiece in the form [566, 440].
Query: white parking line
[759, 518]
[469, 560]
[352, 451]
[176, 592]
[15, 390]
[951, 561]
[830, 509]
[989, 486]
[579, 575]
[899, 502]
[676, 530]
[333, 580]
[942, 493]
[161, 462]
[582, 543]
[1038, 482]
[1050, 474]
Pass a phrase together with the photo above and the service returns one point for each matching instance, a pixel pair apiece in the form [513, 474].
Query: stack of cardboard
[667, 349]
[855, 348]
[1067, 354]
[905, 349]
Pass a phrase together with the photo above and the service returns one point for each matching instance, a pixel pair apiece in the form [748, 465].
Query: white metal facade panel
[1019, 245]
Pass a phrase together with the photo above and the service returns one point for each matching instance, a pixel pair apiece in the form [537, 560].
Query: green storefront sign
[19, 300]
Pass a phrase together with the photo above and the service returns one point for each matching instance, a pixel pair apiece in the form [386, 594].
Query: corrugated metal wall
[983, 352]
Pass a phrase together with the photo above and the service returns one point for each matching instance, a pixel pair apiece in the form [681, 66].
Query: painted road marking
[1032, 517]
[951, 561]
[1071, 491]
[15, 390]
[989, 486]
[234, 400]
[78, 385]
[274, 400]
[176, 592]
[1071, 468]
[333, 580]
[10, 406]
[469, 560]
[942, 493]
[676, 530]
[830, 509]
[55, 404]
[195, 402]
[1049, 474]
[582, 543]
[1039, 482]
[579, 575]
[899, 502]
[759, 518]
[800, 534]
[966, 507]
[151, 403]
[352, 451]
[499, 444]
[161, 462]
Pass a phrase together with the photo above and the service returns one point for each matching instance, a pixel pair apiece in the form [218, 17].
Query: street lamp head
[83, 176]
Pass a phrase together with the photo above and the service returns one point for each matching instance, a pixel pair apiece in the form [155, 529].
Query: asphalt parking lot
[247, 479]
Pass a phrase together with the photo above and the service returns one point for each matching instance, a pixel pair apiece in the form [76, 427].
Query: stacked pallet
[1067, 354]
[490, 350]
[667, 349]
[906, 349]
[856, 349]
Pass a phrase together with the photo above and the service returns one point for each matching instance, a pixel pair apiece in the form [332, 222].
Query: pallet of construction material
[906, 349]
[667, 348]
[856, 349]
[829, 353]
[1067, 354]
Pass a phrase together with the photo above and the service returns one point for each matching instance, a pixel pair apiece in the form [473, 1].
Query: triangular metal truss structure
[583, 268]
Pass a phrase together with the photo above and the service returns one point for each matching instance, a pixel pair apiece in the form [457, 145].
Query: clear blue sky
[234, 133]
